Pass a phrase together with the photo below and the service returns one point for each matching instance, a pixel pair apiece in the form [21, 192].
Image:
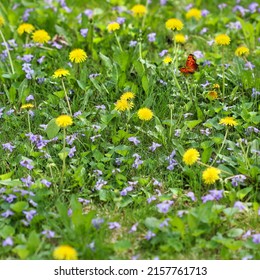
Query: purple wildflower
[83, 201]
[33, 203]
[253, 7]
[101, 107]
[7, 213]
[137, 161]
[133, 228]
[46, 183]
[256, 238]
[154, 146]
[8, 146]
[206, 84]
[97, 222]
[163, 2]
[28, 181]
[222, 6]
[84, 32]
[240, 9]
[132, 43]
[191, 195]
[165, 223]
[204, 12]
[171, 160]
[10, 198]
[180, 213]
[40, 60]
[88, 13]
[238, 179]
[163, 53]
[207, 197]
[249, 66]
[100, 183]
[27, 58]
[239, 205]
[203, 30]
[8, 242]
[72, 152]
[114, 225]
[134, 140]
[27, 163]
[48, 233]
[150, 199]
[149, 235]
[78, 113]
[120, 20]
[198, 54]
[69, 212]
[29, 97]
[156, 182]
[29, 214]
[164, 206]
[151, 37]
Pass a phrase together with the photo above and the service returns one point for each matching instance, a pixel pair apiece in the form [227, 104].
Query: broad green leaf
[52, 129]
[122, 245]
[19, 206]
[192, 124]
[145, 84]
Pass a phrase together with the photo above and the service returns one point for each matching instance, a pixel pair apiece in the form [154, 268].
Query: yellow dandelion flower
[64, 121]
[2, 21]
[193, 13]
[123, 105]
[27, 106]
[191, 156]
[222, 40]
[113, 26]
[216, 86]
[210, 175]
[139, 10]
[41, 36]
[77, 55]
[173, 24]
[213, 95]
[61, 73]
[228, 121]
[167, 60]
[242, 51]
[127, 95]
[145, 114]
[25, 28]
[65, 252]
[179, 38]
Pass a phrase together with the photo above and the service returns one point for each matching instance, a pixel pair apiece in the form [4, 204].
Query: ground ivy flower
[154, 146]
[239, 205]
[164, 206]
[167, 60]
[25, 28]
[113, 26]
[139, 10]
[145, 114]
[59, 73]
[48, 233]
[242, 51]
[193, 13]
[173, 24]
[64, 121]
[191, 195]
[149, 235]
[41, 36]
[8, 146]
[134, 140]
[65, 252]
[179, 38]
[222, 40]
[210, 175]
[151, 37]
[97, 222]
[256, 238]
[191, 156]
[77, 56]
[228, 121]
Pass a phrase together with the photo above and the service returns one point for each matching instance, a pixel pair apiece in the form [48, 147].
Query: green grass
[182, 112]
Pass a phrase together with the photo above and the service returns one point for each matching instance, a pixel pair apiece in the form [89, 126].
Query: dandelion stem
[66, 96]
[63, 157]
[8, 53]
[118, 42]
[223, 74]
[29, 123]
[223, 143]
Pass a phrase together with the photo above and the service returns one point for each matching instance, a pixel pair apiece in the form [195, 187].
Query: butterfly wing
[191, 63]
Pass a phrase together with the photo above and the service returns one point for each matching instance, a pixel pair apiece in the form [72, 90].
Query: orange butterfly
[191, 65]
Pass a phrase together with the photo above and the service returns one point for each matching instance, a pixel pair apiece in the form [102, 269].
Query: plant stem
[66, 96]
[8, 53]
[223, 143]
[223, 74]
[29, 123]
[63, 157]
[118, 42]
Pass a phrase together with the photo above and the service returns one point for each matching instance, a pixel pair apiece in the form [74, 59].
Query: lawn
[129, 130]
